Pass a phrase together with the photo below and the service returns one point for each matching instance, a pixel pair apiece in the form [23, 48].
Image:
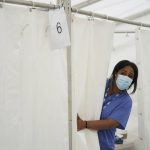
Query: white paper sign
[58, 28]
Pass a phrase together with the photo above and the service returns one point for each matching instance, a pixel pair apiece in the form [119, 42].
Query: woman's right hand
[80, 123]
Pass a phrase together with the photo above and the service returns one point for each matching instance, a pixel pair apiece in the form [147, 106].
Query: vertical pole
[67, 5]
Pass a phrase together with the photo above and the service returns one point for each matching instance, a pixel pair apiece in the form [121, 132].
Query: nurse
[116, 106]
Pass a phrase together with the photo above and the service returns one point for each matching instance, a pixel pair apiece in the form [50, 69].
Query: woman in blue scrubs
[116, 106]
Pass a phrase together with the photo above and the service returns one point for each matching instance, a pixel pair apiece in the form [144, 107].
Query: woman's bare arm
[96, 124]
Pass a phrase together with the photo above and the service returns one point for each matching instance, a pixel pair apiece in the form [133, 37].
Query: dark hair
[123, 64]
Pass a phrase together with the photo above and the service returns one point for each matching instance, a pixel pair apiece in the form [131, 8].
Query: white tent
[125, 41]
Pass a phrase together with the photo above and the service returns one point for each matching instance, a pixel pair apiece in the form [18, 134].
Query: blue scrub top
[117, 107]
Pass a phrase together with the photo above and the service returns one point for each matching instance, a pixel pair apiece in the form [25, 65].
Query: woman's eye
[131, 77]
[122, 73]
[125, 74]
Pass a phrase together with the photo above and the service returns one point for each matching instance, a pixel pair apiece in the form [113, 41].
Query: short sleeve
[121, 113]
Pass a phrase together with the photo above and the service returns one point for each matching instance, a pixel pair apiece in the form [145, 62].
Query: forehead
[127, 69]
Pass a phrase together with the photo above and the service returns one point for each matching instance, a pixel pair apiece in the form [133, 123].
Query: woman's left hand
[80, 123]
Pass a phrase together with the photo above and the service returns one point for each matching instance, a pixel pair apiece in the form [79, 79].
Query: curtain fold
[33, 83]
[91, 49]
[143, 55]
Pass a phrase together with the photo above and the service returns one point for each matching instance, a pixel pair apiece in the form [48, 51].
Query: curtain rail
[74, 10]
[30, 3]
[97, 15]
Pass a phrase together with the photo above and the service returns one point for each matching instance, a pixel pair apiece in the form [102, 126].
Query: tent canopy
[125, 9]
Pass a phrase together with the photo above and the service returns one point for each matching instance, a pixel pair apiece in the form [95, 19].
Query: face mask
[123, 82]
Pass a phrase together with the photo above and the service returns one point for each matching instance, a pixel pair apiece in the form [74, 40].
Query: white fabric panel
[33, 84]
[91, 48]
[143, 55]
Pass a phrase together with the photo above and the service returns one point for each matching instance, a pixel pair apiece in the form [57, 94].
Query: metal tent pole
[97, 15]
[67, 6]
[124, 31]
[30, 3]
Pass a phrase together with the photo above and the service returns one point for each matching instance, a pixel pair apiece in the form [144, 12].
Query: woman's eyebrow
[126, 71]
[123, 71]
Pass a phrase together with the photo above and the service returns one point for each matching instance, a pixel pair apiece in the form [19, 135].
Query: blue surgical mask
[123, 82]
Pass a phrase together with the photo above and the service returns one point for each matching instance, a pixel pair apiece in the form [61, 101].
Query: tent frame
[67, 4]
[69, 10]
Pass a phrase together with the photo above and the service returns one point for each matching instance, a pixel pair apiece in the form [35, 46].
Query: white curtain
[143, 56]
[91, 48]
[33, 83]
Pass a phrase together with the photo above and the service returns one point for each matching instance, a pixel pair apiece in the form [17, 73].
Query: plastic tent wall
[143, 55]
[33, 83]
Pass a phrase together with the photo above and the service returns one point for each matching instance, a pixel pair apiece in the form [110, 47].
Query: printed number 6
[59, 28]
